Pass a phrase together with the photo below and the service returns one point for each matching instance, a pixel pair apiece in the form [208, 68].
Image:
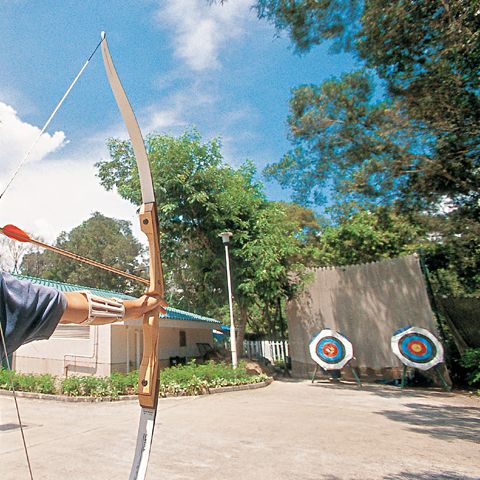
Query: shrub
[41, 383]
[471, 361]
[114, 386]
[190, 379]
[195, 379]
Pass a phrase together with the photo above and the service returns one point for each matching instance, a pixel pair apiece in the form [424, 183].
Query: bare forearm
[77, 310]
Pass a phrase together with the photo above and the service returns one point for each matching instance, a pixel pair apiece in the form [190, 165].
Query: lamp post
[233, 342]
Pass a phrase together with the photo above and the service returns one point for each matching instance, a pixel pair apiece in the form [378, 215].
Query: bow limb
[148, 378]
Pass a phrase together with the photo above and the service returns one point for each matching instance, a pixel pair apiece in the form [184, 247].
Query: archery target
[330, 349]
[417, 347]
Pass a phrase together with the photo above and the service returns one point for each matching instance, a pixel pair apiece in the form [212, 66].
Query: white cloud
[16, 137]
[161, 120]
[50, 196]
[60, 196]
[180, 109]
[202, 30]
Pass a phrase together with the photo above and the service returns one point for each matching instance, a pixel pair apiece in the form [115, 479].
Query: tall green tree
[427, 53]
[348, 145]
[366, 236]
[413, 144]
[106, 240]
[199, 196]
[276, 257]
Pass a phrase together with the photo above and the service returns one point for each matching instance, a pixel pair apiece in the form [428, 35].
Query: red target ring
[416, 348]
[330, 350]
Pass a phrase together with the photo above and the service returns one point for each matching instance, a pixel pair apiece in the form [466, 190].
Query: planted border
[182, 380]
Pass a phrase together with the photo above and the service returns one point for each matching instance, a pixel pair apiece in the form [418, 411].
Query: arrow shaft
[79, 258]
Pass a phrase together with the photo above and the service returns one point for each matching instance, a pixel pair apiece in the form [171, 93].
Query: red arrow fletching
[16, 233]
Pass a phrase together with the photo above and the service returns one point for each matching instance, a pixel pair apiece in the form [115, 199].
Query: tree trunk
[240, 326]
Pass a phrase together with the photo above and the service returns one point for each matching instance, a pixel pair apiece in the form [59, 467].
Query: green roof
[172, 313]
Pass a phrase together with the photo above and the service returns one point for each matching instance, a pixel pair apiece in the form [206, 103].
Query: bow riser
[148, 378]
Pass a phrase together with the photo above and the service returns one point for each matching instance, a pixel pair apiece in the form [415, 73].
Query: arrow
[15, 233]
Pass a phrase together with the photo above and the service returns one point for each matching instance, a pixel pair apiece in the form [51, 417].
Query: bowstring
[50, 118]
[14, 393]
[25, 158]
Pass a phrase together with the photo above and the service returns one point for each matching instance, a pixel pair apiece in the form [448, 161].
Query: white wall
[99, 350]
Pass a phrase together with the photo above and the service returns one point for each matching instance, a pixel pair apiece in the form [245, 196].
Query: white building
[101, 350]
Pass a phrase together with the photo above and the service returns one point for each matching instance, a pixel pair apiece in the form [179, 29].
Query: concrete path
[289, 430]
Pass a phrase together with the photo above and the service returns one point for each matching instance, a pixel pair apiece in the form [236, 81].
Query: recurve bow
[148, 379]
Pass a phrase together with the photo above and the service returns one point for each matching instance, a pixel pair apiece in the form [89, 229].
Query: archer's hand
[140, 306]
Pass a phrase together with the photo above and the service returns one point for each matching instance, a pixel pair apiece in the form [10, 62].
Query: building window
[183, 338]
[72, 331]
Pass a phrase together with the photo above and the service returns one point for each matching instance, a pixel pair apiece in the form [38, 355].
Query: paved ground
[289, 430]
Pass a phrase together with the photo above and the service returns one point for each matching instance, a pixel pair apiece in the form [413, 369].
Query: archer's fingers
[154, 300]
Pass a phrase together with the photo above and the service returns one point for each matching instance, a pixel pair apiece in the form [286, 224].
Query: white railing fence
[272, 350]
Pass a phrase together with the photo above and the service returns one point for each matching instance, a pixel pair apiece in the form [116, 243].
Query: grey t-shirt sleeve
[28, 311]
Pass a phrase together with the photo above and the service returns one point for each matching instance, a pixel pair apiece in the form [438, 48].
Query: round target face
[417, 347]
[330, 349]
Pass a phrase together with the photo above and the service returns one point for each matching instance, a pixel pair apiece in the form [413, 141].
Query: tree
[367, 236]
[277, 248]
[100, 238]
[453, 253]
[312, 22]
[348, 145]
[428, 55]
[415, 146]
[198, 196]
[12, 253]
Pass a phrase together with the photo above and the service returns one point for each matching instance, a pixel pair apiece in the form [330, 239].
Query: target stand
[330, 350]
[418, 348]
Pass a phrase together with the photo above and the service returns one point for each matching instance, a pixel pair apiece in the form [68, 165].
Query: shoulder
[24, 288]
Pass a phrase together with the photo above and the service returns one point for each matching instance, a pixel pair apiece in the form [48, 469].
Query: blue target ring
[330, 350]
[417, 348]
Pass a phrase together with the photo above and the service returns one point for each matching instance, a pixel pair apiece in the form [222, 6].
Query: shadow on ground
[411, 476]
[428, 476]
[384, 391]
[439, 421]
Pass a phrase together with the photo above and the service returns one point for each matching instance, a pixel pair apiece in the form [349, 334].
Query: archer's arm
[78, 308]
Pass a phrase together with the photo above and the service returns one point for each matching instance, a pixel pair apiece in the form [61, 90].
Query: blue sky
[182, 63]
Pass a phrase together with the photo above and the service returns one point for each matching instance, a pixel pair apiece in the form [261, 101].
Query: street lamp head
[225, 237]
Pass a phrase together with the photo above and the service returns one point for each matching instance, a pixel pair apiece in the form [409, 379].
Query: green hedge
[114, 386]
[190, 379]
[471, 361]
[193, 379]
[27, 383]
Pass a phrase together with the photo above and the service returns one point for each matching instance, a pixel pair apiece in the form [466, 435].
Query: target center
[330, 350]
[416, 348]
